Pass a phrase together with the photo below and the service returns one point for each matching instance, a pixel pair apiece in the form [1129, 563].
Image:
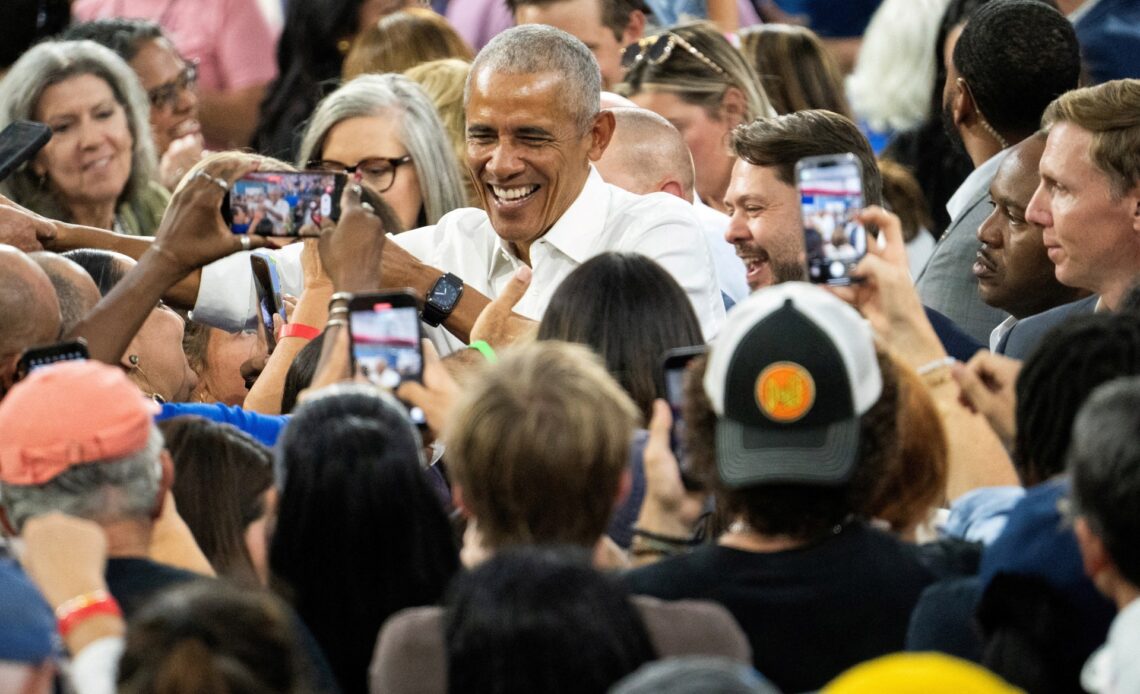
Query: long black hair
[359, 533]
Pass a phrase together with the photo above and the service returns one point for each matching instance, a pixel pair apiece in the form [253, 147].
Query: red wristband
[305, 332]
[76, 610]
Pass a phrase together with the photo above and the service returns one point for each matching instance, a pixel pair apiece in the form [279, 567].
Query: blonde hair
[402, 40]
[694, 80]
[1111, 112]
[443, 82]
[539, 444]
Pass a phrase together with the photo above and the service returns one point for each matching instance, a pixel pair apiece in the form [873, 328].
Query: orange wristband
[305, 332]
[77, 609]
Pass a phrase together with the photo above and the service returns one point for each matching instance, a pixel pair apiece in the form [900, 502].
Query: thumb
[515, 288]
[973, 388]
[413, 393]
[660, 423]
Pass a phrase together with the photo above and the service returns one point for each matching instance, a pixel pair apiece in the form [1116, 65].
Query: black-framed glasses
[165, 96]
[378, 173]
[657, 49]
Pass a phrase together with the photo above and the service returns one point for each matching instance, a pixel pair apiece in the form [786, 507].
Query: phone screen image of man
[831, 200]
[386, 344]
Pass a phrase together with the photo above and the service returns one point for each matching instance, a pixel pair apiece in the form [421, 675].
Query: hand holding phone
[19, 143]
[386, 340]
[831, 199]
[674, 366]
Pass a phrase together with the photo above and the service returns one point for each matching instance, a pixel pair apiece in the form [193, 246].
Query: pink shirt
[478, 21]
[232, 40]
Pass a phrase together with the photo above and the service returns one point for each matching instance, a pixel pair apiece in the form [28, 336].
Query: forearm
[420, 278]
[724, 14]
[230, 117]
[312, 310]
[975, 455]
[72, 236]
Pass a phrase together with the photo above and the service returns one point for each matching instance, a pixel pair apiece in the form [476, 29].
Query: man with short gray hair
[533, 128]
[78, 438]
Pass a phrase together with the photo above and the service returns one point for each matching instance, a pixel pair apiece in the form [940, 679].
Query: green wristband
[485, 349]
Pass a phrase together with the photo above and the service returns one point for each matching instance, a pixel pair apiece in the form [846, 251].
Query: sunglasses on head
[657, 49]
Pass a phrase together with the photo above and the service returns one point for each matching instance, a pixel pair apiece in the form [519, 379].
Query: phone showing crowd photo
[267, 281]
[831, 198]
[674, 367]
[283, 203]
[385, 329]
[39, 357]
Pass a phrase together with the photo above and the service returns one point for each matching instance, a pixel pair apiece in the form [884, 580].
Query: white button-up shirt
[602, 218]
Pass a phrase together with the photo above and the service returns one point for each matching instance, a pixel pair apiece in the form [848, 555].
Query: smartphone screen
[283, 203]
[675, 365]
[386, 338]
[39, 357]
[831, 198]
[19, 142]
[267, 281]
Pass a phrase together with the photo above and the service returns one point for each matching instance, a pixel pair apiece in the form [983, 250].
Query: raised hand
[498, 325]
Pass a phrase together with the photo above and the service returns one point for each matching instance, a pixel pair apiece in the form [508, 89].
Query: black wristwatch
[442, 299]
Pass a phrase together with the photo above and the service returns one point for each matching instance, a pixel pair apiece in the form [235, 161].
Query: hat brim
[747, 455]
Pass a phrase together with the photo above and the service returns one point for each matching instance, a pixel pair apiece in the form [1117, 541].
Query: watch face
[444, 294]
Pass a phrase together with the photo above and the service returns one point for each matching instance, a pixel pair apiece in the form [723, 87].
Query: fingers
[516, 288]
[661, 422]
[974, 391]
[413, 393]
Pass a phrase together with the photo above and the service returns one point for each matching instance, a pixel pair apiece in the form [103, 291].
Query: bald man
[29, 310]
[648, 155]
[76, 291]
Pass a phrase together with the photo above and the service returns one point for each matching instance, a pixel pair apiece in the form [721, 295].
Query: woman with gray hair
[384, 129]
[97, 170]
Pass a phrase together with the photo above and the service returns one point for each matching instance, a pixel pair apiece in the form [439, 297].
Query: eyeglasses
[378, 173]
[165, 96]
[657, 49]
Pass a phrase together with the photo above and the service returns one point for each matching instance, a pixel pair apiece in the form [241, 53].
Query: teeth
[513, 193]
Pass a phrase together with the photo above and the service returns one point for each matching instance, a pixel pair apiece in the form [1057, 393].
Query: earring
[133, 359]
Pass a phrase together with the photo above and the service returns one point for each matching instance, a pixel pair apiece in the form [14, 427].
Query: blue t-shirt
[263, 427]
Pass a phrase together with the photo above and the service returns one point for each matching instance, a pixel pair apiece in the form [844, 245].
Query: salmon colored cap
[69, 414]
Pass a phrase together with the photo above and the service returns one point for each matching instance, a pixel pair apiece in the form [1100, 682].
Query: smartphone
[674, 365]
[386, 340]
[19, 142]
[283, 203]
[38, 357]
[267, 282]
[831, 198]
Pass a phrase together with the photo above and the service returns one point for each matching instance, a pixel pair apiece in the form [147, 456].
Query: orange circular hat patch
[785, 391]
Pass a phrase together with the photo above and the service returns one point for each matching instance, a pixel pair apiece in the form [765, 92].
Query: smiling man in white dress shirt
[533, 129]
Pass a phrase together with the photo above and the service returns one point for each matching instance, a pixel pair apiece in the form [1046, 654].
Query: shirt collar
[975, 185]
[577, 231]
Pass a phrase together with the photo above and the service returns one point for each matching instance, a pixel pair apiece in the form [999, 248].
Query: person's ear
[634, 29]
[672, 187]
[1093, 554]
[625, 486]
[8, 366]
[601, 132]
[963, 108]
[734, 107]
[1134, 198]
[165, 482]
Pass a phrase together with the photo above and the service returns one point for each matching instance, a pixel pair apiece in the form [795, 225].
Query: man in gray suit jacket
[1003, 67]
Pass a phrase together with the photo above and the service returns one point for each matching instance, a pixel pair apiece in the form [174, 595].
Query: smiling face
[526, 151]
[765, 225]
[88, 159]
[705, 136]
[1089, 234]
[159, 66]
[1013, 271]
[354, 140]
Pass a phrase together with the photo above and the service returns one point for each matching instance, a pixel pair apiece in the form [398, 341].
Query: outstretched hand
[436, 395]
[24, 229]
[192, 232]
[498, 325]
[987, 383]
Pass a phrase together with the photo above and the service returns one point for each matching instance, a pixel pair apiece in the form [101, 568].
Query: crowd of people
[645, 408]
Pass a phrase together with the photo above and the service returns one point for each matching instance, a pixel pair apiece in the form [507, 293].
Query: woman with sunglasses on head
[98, 168]
[170, 83]
[692, 76]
